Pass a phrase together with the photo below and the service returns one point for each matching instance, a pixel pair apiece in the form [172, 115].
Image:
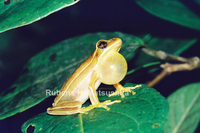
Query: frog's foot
[99, 105]
[120, 90]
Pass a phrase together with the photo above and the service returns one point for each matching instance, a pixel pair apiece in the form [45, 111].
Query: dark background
[87, 16]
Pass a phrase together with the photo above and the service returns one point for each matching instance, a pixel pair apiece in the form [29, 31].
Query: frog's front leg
[120, 90]
[93, 95]
[74, 107]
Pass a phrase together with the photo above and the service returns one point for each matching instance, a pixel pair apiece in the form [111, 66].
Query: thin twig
[187, 65]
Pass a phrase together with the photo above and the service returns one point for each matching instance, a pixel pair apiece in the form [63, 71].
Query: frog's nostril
[113, 39]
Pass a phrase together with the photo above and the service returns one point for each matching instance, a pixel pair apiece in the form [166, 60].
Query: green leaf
[49, 70]
[17, 13]
[181, 12]
[144, 112]
[184, 109]
[144, 66]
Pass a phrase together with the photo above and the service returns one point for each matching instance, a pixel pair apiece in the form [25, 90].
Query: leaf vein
[186, 113]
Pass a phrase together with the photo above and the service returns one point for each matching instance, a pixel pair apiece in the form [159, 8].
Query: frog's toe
[100, 105]
[120, 90]
[135, 87]
[129, 89]
[117, 92]
[107, 102]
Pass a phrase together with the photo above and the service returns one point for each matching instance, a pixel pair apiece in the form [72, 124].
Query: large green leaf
[17, 13]
[185, 12]
[184, 109]
[49, 70]
[144, 112]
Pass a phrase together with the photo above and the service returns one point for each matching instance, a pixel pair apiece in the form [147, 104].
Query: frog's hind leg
[66, 108]
[120, 90]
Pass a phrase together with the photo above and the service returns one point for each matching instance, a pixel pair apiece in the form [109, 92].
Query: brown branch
[187, 65]
[157, 79]
[162, 55]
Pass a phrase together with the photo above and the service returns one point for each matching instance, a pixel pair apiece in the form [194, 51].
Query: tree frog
[105, 65]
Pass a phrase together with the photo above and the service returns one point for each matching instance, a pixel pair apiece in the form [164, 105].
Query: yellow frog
[105, 65]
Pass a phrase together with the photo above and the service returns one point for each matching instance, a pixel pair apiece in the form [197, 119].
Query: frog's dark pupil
[102, 45]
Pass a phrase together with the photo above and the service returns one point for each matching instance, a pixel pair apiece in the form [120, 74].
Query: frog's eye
[102, 44]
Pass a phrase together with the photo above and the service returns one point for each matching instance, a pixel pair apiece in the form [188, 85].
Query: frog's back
[73, 83]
